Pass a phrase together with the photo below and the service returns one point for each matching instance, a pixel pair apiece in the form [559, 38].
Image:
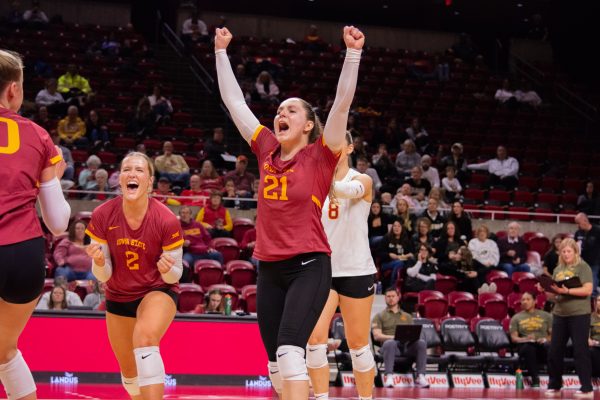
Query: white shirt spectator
[44, 98]
[451, 185]
[433, 176]
[375, 177]
[405, 162]
[486, 252]
[154, 100]
[502, 95]
[502, 168]
[35, 16]
[187, 28]
[73, 299]
[530, 97]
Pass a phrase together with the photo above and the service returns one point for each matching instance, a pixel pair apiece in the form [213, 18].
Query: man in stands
[195, 191]
[163, 192]
[418, 184]
[503, 170]
[430, 173]
[407, 158]
[73, 86]
[362, 166]
[384, 328]
[588, 238]
[215, 147]
[437, 219]
[513, 251]
[172, 166]
[242, 179]
[455, 159]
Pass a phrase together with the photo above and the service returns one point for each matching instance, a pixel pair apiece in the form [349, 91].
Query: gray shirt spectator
[407, 158]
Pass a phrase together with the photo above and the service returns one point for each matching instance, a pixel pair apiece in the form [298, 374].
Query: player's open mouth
[283, 126]
[132, 186]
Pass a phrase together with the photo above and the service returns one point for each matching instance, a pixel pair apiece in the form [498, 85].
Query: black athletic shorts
[22, 271]
[129, 308]
[357, 287]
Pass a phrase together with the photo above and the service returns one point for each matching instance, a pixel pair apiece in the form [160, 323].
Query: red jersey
[134, 253]
[290, 196]
[25, 151]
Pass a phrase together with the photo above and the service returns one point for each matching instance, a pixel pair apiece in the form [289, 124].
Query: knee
[421, 345]
[142, 338]
[291, 362]
[7, 353]
[389, 345]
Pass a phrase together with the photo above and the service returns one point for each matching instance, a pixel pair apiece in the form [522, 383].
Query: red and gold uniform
[134, 253]
[290, 197]
[25, 151]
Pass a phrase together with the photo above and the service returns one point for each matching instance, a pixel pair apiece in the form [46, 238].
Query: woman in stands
[31, 167]
[297, 165]
[353, 284]
[571, 319]
[136, 247]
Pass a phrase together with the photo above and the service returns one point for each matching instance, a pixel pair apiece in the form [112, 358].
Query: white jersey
[348, 234]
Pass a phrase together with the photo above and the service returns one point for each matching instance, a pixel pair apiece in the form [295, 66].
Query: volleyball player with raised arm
[30, 168]
[136, 247]
[345, 214]
[296, 164]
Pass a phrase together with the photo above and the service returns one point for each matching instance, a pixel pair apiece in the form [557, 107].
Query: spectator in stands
[194, 29]
[513, 251]
[110, 46]
[35, 17]
[160, 105]
[531, 330]
[587, 202]
[418, 135]
[266, 88]
[385, 168]
[51, 98]
[454, 159]
[43, 119]
[362, 166]
[73, 86]
[144, 120]
[503, 169]
[436, 193]
[460, 265]
[247, 245]
[196, 245]
[462, 221]
[384, 329]
[404, 192]
[71, 128]
[378, 224]
[313, 41]
[213, 211]
[505, 95]
[210, 177]
[242, 179]
[451, 185]
[172, 166]
[407, 159]
[67, 180]
[421, 276]
[215, 147]
[430, 173]
[229, 192]
[96, 296]
[96, 130]
[588, 240]
[550, 260]
[528, 96]
[419, 185]
[449, 241]
[218, 230]
[163, 192]
[57, 299]
[73, 298]
[87, 177]
[386, 199]
[100, 185]
[71, 259]
[195, 191]
[395, 251]
[594, 340]
[571, 319]
[359, 150]
[403, 215]
[423, 233]
[486, 254]
[435, 217]
[214, 302]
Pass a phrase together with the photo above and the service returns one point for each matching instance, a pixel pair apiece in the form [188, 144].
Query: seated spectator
[430, 173]
[144, 120]
[71, 128]
[505, 95]
[423, 233]
[421, 276]
[528, 96]
[242, 179]
[530, 329]
[215, 147]
[485, 252]
[96, 297]
[35, 17]
[213, 211]
[247, 245]
[403, 215]
[172, 166]
[418, 135]
[449, 241]
[460, 265]
[87, 177]
[587, 202]
[407, 159]
[420, 186]
[214, 302]
[384, 330]
[67, 180]
[456, 160]
[362, 166]
[57, 299]
[70, 256]
[110, 46]
[97, 130]
[405, 192]
[594, 340]
[195, 191]
[513, 251]
[160, 104]
[395, 251]
[451, 185]
[73, 298]
[73, 86]
[218, 230]
[435, 217]
[386, 199]
[378, 224]
[163, 192]
[462, 221]
[194, 29]
[550, 260]
[210, 177]
[384, 166]
[42, 118]
[266, 88]
[100, 185]
[359, 150]
[436, 193]
[230, 192]
[503, 170]
[196, 245]
[51, 98]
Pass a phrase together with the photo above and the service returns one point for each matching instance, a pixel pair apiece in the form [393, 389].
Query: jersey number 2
[14, 141]
[131, 258]
[272, 183]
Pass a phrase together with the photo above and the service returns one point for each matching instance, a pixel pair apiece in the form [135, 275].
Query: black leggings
[290, 297]
[22, 271]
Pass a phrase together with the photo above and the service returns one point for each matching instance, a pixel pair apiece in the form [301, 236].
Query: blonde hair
[11, 68]
[568, 242]
[142, 155]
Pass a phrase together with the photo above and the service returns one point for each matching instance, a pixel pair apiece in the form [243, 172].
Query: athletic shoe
[493, 287]
[583, 395]
[421, 382]
[552, 393]
[483, 289]
[388, 381]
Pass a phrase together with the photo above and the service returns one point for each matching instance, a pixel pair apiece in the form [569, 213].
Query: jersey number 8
[334, 211]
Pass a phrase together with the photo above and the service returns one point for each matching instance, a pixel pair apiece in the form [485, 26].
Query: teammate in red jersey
[30, 168]
[296, 166]
[136, 246]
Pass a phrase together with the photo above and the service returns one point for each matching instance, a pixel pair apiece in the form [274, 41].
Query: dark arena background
[447, 63]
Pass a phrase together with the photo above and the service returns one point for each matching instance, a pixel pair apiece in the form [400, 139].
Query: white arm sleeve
[414, 270]
[174, 274]
[349, 190]
[55, 209]
[233, 97]
[337, 120]
[102, 273]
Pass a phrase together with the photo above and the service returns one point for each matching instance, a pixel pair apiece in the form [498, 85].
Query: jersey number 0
[13, 141]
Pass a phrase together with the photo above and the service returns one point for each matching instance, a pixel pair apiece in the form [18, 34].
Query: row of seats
[192, 295]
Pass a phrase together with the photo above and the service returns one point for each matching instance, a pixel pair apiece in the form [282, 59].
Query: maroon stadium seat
[249, 297]
[226, 290]
[445, 283]
[240, 227]
[208, 272]
[228, 247]
[240, 273]
[190, 296]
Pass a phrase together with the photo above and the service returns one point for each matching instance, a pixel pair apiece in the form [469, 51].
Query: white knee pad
[291, 362]
[16, 378]
[150, 367]
[362, 359]
[275, 376]
[316, 356]
[131, 385]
